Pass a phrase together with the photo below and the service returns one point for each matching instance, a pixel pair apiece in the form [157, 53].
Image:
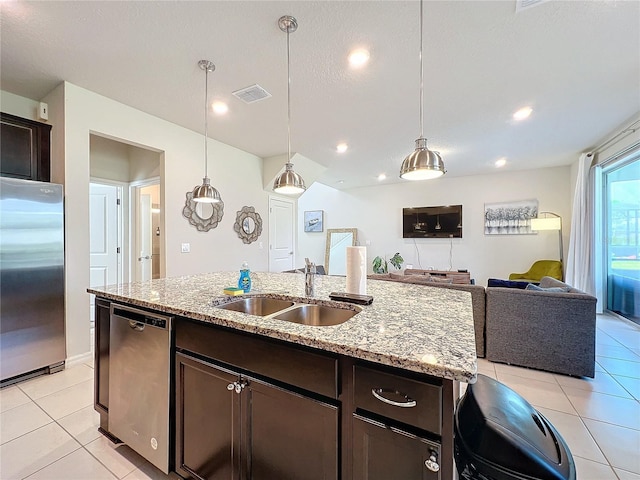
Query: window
[622, 204]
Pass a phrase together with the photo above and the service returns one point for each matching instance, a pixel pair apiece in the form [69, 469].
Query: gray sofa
[477, 299]
[545, 330]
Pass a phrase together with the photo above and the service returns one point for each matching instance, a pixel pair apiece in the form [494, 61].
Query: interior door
[103, 236]
[281, 235]
[144, 239]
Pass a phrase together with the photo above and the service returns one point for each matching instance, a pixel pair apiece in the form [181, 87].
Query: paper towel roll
[357, 270]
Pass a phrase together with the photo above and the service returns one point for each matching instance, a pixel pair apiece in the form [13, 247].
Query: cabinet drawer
[403, 399]
[272, 359]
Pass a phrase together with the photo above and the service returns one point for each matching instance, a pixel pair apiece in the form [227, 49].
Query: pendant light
[288, 182]
[205, 193]
[422, 164]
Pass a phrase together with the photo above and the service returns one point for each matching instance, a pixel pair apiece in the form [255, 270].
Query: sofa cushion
[546, 282]
[537, 288]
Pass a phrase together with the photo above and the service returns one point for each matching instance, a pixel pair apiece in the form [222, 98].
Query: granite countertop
[413, 327]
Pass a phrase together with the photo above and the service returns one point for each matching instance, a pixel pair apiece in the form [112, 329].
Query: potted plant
[380, 264]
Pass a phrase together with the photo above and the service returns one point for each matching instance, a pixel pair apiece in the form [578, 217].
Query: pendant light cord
[288, 98]
[206, 124]
[421, 77]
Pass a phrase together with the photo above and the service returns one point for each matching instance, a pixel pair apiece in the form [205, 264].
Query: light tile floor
[48, 428]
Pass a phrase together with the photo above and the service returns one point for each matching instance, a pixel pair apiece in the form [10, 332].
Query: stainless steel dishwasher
[139, 374]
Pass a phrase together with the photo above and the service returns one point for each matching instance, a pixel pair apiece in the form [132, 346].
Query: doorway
[105, 235]
[281, 234]
[146, 229]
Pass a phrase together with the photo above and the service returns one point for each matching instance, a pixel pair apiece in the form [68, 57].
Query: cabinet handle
[432, 463]
[378, 393]
[237, 386]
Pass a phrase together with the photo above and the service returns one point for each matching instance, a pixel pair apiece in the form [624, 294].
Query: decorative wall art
[510, 218]
[248, 225]
[313, 221]
[203, 216]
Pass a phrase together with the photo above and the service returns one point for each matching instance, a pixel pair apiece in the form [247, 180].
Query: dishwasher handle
[139, 319]
[137, 326]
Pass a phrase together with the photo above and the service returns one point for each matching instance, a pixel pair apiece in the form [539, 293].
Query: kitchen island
[258, 397]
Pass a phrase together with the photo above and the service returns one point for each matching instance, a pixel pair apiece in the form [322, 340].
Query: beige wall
[80, 113]
[19, 106]
[377, 213]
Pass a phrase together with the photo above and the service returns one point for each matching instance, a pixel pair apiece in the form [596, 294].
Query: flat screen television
[444, 221]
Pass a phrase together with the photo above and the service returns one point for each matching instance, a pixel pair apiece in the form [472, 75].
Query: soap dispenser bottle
[244, 282]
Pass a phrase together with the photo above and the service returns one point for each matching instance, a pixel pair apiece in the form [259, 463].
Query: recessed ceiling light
[342, 147]
[522, 113]
[358, 57]
[220, 108]
[501, 162]
[381, 177]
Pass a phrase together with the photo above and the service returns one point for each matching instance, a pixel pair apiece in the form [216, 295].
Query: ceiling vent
[252, 94]
[526, 4]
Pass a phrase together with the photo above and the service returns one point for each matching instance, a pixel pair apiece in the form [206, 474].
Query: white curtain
[579, 264]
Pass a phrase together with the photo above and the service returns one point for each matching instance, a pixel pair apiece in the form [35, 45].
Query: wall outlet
[260, 245]
[186, 248]
[367, 242]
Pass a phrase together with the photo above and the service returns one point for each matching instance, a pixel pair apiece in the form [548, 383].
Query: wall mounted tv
[432, 222]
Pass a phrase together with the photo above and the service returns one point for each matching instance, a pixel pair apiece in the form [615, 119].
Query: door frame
[134, 192]
[122, 274]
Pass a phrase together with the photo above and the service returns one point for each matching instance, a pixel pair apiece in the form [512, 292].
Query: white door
[143, 235]
[103, 236]
[281, 235]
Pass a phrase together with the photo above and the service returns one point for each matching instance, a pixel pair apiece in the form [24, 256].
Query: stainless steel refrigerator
[32, 336]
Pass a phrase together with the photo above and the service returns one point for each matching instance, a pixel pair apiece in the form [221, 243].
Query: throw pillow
[496, 282]
[536, 288]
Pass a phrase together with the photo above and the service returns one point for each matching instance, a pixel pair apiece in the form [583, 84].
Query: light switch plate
[186, 248]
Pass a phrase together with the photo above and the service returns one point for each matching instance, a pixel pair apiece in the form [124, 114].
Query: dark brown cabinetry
[207, 421]
[101, 361]
[25, 148]
[398, 425]
[235, 424]
[251, 407]
[382, 452]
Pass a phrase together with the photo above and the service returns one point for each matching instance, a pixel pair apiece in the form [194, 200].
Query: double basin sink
[287, 310]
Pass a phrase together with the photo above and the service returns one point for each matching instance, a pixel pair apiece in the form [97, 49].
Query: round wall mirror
[248, 225]
[203, 216]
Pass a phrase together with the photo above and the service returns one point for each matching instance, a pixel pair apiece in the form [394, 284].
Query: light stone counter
[413, 327]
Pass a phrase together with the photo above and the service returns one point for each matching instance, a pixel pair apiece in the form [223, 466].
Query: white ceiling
[577, 63]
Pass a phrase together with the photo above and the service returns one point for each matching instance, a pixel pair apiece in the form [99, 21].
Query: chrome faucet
[309, 275]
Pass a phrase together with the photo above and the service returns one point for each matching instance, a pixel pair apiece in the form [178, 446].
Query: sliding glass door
[622, 203]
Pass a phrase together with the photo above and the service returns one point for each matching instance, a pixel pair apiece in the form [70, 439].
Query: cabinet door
[25, 148]
[101, 361]
[207, 421]
[384, 453]
[291, 437]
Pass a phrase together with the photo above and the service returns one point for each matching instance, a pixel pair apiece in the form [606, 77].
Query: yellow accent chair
[539, 269]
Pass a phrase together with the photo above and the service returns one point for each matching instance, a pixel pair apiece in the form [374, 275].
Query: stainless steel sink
[316, 315]
[259, 306]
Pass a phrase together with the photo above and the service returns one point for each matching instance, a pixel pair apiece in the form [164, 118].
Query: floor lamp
[549, 221]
